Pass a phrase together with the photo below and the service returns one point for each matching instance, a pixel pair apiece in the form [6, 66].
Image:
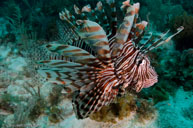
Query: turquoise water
[95, 67]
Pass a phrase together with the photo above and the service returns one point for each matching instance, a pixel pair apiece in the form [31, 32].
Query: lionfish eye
[140, 61]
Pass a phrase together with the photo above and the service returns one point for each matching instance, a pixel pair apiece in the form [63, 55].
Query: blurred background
[25, 99]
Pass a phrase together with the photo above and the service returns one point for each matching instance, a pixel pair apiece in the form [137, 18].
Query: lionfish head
[146, 74]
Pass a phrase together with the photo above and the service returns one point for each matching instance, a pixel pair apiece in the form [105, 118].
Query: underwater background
[28, 100]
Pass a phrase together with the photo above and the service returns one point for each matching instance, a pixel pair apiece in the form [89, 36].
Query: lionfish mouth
[96, 60]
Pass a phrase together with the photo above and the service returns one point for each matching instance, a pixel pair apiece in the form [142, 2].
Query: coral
[27, 18]
[159, 94]
[186, 4]
[3, 28]
[21, 99]
[6, 106]
[123, 107]
[8, 101]
[51, 31]
[159, 17]
[177, 111]
[2, 117]
[185, 37]
[188, 112]
[21, 115]
[55, 114]
[38, 109]
[145, 111]
[174, 69]
[48, 107]
[55, 96]
[10, 37]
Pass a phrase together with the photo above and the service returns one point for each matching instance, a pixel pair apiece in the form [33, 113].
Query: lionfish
[102, 62]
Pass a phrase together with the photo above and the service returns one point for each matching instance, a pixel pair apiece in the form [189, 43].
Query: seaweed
[38, 109]
[48, 107]
[39, 103]
[16, 106]
[55, 114]
[55, 96]
[2, 117]
[21, 115]
[7, 102]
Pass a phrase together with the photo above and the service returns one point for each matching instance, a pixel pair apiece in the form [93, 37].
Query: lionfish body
[110, 60]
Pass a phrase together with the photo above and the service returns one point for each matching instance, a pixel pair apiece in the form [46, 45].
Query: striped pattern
[86, 8]
[72, 76]
[94, 35]
[118, 61]
[102, 94]
[125, 28]
[134, 68]
[67, 34]
[82, 12]
[67, 16]
[113, 22]
[76, 54]
[104, 21]
[139, 31]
